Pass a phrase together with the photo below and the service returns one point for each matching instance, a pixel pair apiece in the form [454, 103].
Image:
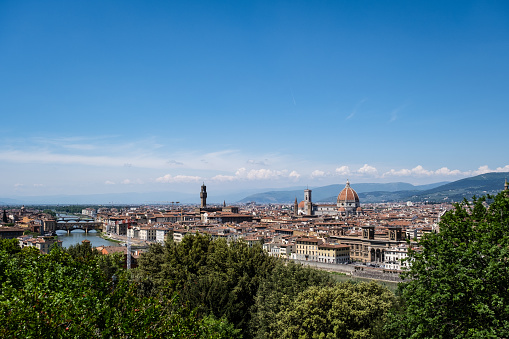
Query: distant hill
[7, 202]
[489, 183]
[330, 193]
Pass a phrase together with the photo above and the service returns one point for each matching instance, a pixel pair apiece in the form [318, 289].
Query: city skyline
[124, 96]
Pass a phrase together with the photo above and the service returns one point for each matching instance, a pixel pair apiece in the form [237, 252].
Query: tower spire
[203, 196]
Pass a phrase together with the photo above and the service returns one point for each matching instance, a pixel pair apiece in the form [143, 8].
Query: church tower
[308, 205]
[295, 207]
[203, 196]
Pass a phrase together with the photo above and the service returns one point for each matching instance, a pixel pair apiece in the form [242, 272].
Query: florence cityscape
[256, 169]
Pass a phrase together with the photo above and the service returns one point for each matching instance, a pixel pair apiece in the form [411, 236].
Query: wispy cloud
[355, 110]
[258, 162]
[420, 171]
[168, 178]
[395, 113]
[257, 174]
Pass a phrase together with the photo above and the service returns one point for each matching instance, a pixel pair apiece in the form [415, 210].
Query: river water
[77, 236]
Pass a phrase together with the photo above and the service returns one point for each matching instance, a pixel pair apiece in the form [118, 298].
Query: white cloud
[343, 170]
[294, 175]
[108, 182]
[168, 178]
[264, 174]
[224, 178]
[446, 171]
[257, 174]
[400, 173]
[186, 178]
[367, 170]
[126, 182]
[420, 171]
[317, 174]
[485, 169]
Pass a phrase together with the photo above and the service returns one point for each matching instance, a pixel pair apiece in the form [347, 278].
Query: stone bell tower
[308, 204]
[203, 196]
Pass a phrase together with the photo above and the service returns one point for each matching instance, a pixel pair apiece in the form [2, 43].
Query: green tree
[57, 296]
[458, 284]
[345, 310]
[215, 277]
[281, 286]
[11, 246]
[83, 251]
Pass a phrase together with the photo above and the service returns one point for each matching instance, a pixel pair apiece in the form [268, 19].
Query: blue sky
[122, 96]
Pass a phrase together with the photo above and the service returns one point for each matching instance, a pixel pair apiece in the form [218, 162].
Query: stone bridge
[75, 224]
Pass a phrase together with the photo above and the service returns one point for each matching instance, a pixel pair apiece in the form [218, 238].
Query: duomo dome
[347, 195]
[348, 201]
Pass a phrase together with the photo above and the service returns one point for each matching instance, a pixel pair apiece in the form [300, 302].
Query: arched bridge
[78, 224]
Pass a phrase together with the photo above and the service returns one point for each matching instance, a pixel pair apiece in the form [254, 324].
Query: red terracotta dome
[348, 194]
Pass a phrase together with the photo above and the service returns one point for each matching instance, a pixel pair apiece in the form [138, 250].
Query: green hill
[330, 193]
[489, 183]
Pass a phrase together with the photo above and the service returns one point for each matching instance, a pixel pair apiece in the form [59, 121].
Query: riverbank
[344, 272]
[120, 239]
[106, 237]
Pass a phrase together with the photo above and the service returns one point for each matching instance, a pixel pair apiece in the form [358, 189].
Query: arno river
[77, 236]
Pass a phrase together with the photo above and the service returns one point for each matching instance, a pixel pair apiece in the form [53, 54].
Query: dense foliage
[59, 296]
[346, 310]
[257, 293]
[458, 284]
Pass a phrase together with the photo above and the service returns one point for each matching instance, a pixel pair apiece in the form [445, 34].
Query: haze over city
[112, 97]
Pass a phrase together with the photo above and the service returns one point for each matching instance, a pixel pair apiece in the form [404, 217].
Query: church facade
[347, 204]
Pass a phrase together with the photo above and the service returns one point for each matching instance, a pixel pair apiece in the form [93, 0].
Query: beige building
[369, 247]
[315, 249]
[43, 244]
[147, 233]
[333, 253]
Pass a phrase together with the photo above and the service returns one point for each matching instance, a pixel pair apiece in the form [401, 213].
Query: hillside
[329, 193]
[489, 183]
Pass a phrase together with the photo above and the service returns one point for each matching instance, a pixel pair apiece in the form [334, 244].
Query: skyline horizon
[395, 190]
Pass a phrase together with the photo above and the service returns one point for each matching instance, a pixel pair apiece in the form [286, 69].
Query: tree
[57, 296]
[281, 286]
[213, 276]
[83, 251]
[345, 310]
[458, 284]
